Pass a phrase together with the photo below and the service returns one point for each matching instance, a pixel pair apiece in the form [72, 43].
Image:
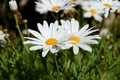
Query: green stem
[18, 28]
[67, 61]
[26, 29]
[56, 63]
[20, 33]
[57, 66]
[115, 63]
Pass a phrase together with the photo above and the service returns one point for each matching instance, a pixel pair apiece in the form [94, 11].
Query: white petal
[35, 47]
[47, 3]
[85, 47]
[33, 39]
[45, 32]
[74, 25]
[93, 37]
[45, 24]
[87, 32]
[41, 8]
[31, 42]
[87, 14]
[65, 46]
[83, 29]
[75, 49]
[98, 18]
[36, 34]
[54, 29]
[87, 8]
[53, 49]
[44, 53]
[88, 41]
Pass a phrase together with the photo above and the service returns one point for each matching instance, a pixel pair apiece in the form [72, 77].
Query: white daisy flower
[79, 38]
[92, 10]
[13, 5]
[2, 38]
[109, 6]
[49, 38]
[52, 5]
[2, 35]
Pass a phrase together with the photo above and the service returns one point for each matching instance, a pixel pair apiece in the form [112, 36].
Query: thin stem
[18, 28]
[26, 29]
[115, 63]
[20, 33]
[56, 63]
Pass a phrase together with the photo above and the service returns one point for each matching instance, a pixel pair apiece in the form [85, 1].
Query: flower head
[13, 5]
[79, 38]
[48, 38]
[92, 10]
[2, 35]
[108, 6]
[52, 5]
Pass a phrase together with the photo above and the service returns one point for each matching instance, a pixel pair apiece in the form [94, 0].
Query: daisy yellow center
[75, 39]
[51, 41]
[54, 8]
[93, 11]
[72, 1]
[107, 5]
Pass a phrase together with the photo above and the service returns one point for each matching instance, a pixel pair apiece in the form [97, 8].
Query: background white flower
[79, 38]
[108, 6]
[52, 5]
[92, 10]
[2, 35]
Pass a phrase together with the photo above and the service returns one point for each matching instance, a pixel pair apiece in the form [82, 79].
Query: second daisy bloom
[79, 38]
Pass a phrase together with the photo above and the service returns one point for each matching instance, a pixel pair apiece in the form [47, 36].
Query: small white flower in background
[52, 5]
[105, 32]
[79, 38]
[2, 35]
[49, 38]
[108, 6]
[13, 5]
[92, 10]
[2, 38]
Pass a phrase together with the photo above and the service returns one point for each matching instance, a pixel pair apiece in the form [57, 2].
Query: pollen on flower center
[93, 11]
[54, 8]
[75, 39]
[72, 1]
[51, 41]
[107, 5]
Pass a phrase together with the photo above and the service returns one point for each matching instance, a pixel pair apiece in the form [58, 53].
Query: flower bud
[13, 5]
[25, 21]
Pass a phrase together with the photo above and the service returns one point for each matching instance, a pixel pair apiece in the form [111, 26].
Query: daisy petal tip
[25, 42]
[90, 50]
[43, 55]
[75, 53]
[31, 49]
